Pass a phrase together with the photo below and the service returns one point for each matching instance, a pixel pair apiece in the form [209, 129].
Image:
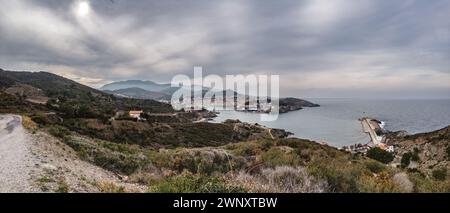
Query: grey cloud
[303, 40]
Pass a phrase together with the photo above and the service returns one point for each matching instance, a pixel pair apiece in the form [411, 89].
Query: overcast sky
[320, 48]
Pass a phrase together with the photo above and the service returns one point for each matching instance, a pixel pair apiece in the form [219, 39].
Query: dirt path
[16, 160]
[40, 162]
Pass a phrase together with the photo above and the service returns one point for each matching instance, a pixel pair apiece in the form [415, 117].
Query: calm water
[336, 121]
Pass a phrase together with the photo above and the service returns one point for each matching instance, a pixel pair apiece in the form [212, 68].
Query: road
[16, 160]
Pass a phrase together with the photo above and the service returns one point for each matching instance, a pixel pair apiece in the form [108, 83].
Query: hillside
[90, 112]
[171, 152]
[428, 153]
[72, 99]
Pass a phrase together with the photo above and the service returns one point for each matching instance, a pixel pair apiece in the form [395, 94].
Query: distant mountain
[144, 89]
[138, 93]
[145, 85]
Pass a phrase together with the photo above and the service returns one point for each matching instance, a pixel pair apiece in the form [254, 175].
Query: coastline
[336, 121]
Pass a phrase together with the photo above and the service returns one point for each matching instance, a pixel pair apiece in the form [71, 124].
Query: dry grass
[281, 179]
[110, 187]
[29, 124]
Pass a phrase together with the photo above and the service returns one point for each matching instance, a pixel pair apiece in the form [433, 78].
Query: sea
[336, 120]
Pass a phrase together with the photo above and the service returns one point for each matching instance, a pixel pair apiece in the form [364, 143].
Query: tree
[406, 159]
[380, 155]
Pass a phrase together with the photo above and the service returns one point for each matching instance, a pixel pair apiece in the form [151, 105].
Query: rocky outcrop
[293, 104]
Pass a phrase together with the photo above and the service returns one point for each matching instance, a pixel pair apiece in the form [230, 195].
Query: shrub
[29, 124]
[124, 161]
[275, 156]
[202, 161]
[382, 183]
[448, 153]
[406, 159]
[281, 179]
[59, 131]
[63, 187]
[340, 175]
[110, 187]
[428, 185]
[415, 156]
[380, 155]
[374, 166]
[440, 174]
[190, 183]
[247, 149]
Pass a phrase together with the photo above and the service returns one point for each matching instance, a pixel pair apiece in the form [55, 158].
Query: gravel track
[16, 160]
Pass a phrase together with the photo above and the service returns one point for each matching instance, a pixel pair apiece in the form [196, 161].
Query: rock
[402, 180]
[49, 167]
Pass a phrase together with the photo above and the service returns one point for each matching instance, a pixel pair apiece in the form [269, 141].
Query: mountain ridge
[145, 85]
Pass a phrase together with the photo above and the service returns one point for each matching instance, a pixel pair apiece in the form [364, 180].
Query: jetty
[374, 129]
[370, 126]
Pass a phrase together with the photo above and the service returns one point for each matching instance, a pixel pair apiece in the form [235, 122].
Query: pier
[369, 126]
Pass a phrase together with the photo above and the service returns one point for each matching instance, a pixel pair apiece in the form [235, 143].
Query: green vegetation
[43, 181]
[440, 174]
[408, 157]
[448, 152]
[424, 184]
[110, 187]
[154, 134]
[63, 187]
[375, 166]
[115, 157]
[190, 183]
[341, 171]
[380, 155]
[59, 131]
[176, 155]
[276, 156]
[70, 99]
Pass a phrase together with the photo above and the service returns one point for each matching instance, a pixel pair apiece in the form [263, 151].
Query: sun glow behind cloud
[82, 8]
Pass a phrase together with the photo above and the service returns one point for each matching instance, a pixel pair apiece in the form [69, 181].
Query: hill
[94, 113]
[293, 104]
[72, 99]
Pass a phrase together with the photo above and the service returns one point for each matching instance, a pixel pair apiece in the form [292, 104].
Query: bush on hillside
[380, 155]
[440, 174]
[190, 183]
